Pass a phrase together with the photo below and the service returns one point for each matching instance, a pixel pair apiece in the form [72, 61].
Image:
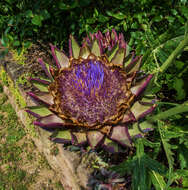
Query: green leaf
[150, 144]
[157, 18]
[64, 6]
[139, 171]
[183, 175]
[125, 27]
[179, 87]
[184, 11]
[16, 43]
[179, 64]
[154, 165]
[157, 180]
[170, 112]
[4, 41]
[168, 152]
[125, 167]
[183, 156]
[27, 44]
[29, 13]
[119, 15]
[45, 14]
[37, 20]
[102, 18]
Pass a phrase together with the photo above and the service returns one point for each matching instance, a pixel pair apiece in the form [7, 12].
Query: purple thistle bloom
[91, 96]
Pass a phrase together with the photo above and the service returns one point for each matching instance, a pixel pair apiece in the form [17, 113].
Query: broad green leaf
[179, 64]
[102, 18]
[16, 43]
[4, 41]
[70, 6]
[45, 14]
[119, 15]
[179, 87]
[184, 11]
[27, 44]
[29, 13]
[37, 20]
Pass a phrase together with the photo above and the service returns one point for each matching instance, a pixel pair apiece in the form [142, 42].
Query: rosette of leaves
[90, 96]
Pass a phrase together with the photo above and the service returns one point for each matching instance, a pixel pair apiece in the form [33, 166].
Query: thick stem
[174, 54]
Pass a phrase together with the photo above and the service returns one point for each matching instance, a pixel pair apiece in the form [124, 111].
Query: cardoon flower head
[92, 95]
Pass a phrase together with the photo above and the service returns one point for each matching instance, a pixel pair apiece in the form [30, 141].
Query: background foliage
[152, 28]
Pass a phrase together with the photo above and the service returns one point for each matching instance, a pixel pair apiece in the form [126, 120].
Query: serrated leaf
[125, 167]
[151, 144]
[139, 171]
[154, 165]
[168, 152]
[183, 156]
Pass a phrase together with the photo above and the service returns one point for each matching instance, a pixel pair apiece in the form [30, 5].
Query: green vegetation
[21, 164]
[156, 29]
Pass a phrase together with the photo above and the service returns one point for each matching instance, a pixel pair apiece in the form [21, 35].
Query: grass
[22, 167]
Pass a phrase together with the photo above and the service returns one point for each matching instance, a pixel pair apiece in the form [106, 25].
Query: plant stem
[174, 54]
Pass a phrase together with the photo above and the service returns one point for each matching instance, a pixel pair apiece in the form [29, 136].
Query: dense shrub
[53, 21]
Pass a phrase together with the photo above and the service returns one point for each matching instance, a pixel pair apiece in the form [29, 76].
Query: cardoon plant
[90, 97]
